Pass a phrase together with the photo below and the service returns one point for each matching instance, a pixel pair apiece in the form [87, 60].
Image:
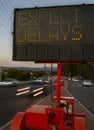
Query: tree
[18, 74]
[39, 73]
[84, 70]
[12, 73]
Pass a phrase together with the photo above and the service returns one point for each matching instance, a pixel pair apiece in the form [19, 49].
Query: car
[87, 83]
[37, 88]
[9, 82]
[43, 79]
[75, 79]
[6, 83]
[69, 78]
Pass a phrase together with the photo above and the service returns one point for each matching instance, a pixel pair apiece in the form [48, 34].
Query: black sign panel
[54, 34]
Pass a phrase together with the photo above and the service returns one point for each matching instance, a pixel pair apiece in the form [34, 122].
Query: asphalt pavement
[11, 103]
[84, 94]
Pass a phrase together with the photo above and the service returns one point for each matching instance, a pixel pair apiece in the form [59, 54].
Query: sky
[6, 25]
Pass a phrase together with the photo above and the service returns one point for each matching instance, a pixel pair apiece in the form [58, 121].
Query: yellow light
[22, 89]
[38, 93]
[37, 89]
[22, 92]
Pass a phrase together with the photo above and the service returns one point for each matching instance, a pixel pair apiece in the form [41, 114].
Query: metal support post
[58, 87]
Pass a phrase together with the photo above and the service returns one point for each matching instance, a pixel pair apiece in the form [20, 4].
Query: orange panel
[79, 123]
[17, 121]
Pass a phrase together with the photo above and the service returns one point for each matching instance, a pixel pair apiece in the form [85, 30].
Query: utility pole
[0, 73]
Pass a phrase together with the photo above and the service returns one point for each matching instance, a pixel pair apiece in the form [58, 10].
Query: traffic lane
[13, 99]
[35, 88]
[24, 88]
[9, 92]
[6, 91]
[78, 109]
[84, 94]
[11, 105]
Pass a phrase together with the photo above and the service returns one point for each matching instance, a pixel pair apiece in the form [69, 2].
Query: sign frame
[56, 50]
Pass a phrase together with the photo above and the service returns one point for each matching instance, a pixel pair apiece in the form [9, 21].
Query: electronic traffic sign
[54, 34]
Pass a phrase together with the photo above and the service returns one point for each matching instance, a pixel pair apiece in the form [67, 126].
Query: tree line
[22, 75]
[85, 71]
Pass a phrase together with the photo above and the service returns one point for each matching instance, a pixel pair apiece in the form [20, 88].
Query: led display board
[54, 34]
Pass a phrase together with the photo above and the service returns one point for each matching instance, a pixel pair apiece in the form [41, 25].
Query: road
[10, 103]
[84, 94]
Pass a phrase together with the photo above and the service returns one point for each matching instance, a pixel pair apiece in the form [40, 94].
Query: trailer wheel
[18, 121]
[79, 123]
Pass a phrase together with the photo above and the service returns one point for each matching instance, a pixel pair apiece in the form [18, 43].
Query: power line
[5, 9]
[4, 13]
[10, 9]
[6, 27]
[5, 20]
[4, 16]
[11, 4]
